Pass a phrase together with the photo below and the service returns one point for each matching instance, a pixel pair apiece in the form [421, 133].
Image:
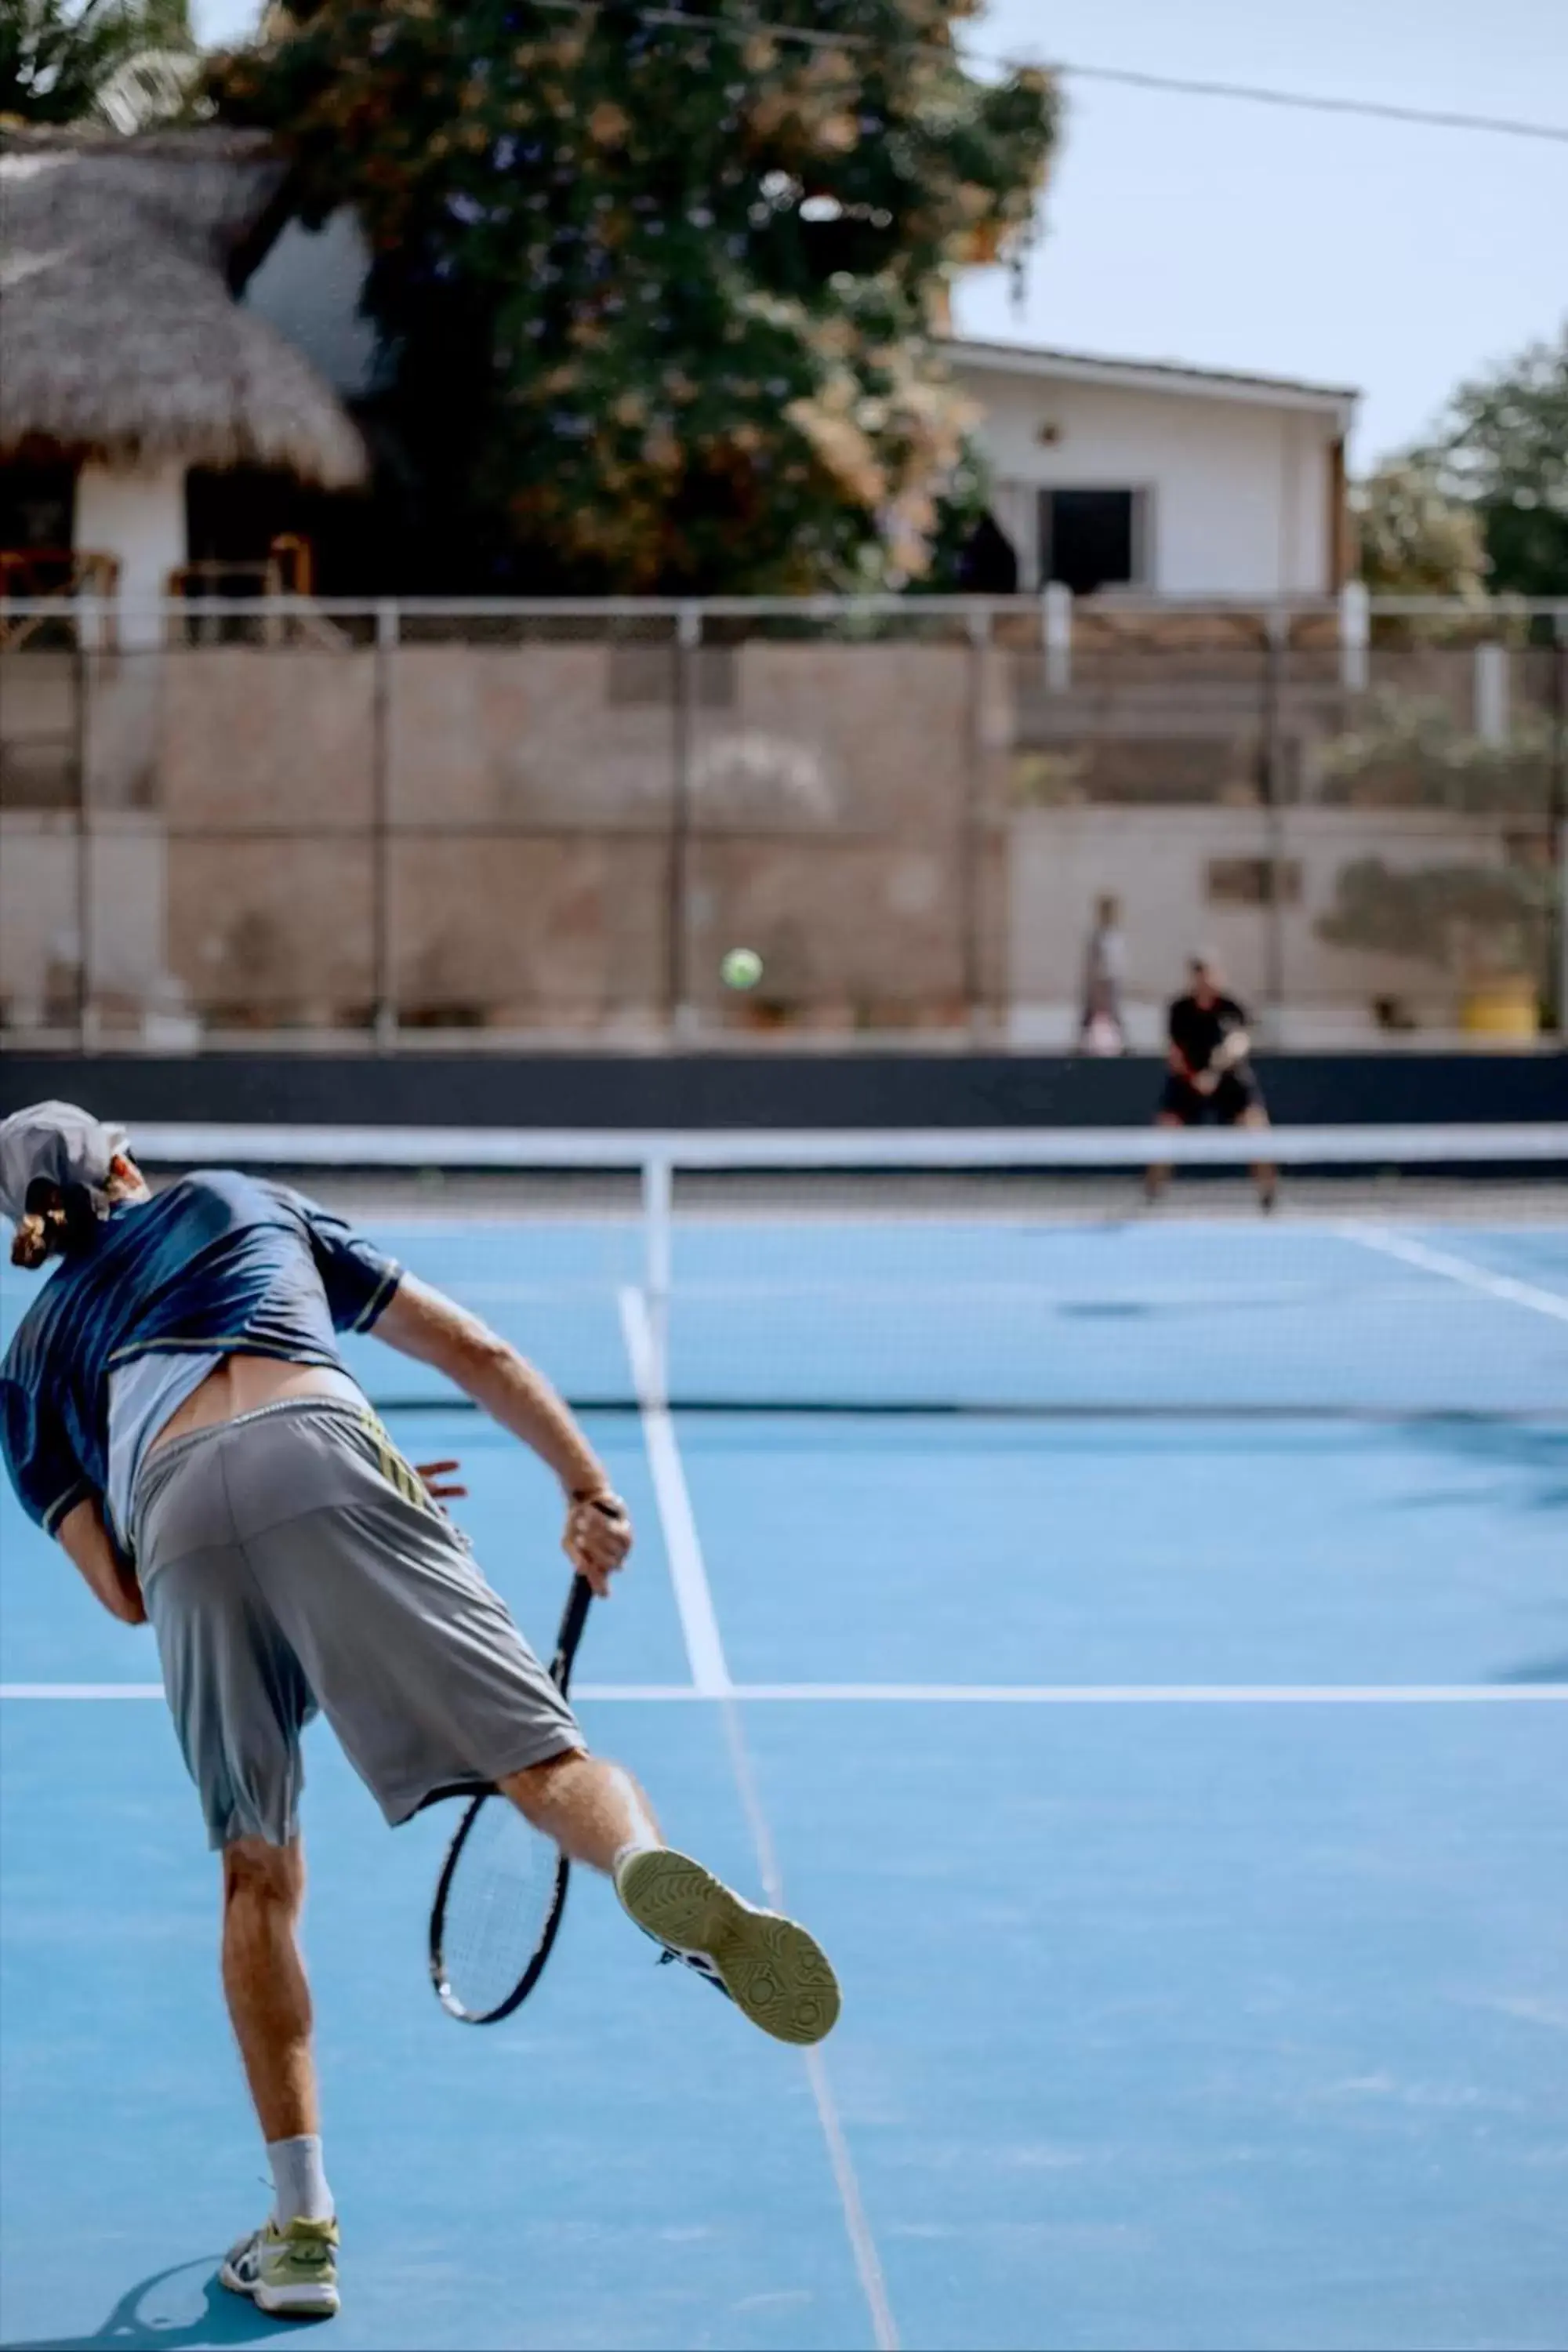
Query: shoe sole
[775, 1973]
[284, 2302]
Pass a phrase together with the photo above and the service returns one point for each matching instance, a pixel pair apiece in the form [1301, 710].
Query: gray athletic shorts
[291, 1561]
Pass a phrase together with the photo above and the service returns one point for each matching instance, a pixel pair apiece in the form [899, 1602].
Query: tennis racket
[503, 1886]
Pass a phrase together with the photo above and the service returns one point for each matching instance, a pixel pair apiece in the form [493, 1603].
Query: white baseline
[1457, 1269]
[1542, 1694]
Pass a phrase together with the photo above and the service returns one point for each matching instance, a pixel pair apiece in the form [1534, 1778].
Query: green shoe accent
[292, 2273]
[771, 1969]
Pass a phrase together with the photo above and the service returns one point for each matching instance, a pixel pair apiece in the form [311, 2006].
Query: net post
[657, 1203]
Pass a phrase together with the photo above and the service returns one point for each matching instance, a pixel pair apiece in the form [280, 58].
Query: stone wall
[544, 830]
[529, 818]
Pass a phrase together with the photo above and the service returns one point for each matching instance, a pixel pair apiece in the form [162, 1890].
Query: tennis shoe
[775, 1973]
[291, 2273]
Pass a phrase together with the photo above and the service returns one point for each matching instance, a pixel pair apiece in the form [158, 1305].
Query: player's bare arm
[421, 1322]
[91, 1548]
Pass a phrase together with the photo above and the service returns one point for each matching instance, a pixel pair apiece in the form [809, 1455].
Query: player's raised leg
[773, 1969]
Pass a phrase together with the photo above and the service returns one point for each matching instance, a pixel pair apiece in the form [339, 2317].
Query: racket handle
[579, 1601]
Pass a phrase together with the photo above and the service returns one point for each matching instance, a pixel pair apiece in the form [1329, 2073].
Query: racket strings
[497, 1907]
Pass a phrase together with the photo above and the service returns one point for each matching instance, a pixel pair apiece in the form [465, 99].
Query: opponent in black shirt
[1210, 1077]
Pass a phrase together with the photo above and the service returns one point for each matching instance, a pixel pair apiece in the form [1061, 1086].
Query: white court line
[1459, 1269]
[1154, 1694]
[868, 2261]
[81, 1690]
[1548, 1694]
[694, 1599]
[704, 1650]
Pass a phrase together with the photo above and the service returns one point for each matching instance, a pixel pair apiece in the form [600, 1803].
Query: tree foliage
[1416, 539]
[1409, 751]
[1502, 450]
[62, 63]
[1480, 922]
[658, 297]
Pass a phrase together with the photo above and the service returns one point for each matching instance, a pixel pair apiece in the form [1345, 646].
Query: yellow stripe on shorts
[397, 1473]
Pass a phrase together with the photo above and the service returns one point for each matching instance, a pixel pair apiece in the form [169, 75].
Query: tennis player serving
[175, 1409]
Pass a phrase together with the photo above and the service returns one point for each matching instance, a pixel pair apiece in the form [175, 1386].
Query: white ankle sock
[299, 2181]
[625, 1853]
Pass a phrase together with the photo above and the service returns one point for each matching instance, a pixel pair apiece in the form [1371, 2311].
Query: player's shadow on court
[136, 2320]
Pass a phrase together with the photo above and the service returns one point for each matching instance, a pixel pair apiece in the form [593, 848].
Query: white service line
[1544, 1693]
[1155, 1694]
[81, 1690]
[1457, 1269]
[694, 1599]
[862, 2245]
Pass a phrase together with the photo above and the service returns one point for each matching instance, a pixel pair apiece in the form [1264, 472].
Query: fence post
[1273, 764]
[1559, 814]
[974, 841]
[1355, 636]
[1056, 612]
[86, 1002]
[1491, 684]
[384, 986]
[688, 641]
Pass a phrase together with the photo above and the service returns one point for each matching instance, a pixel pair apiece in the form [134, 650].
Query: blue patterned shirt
[220, 1263]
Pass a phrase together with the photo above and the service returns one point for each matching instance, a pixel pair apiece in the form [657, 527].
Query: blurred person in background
[1209, 1079]
[1102, 1028]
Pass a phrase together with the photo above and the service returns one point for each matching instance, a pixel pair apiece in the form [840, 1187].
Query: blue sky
[1381, 254]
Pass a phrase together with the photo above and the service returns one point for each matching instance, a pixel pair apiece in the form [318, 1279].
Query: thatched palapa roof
[120, 338]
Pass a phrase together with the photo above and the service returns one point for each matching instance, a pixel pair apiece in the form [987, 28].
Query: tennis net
[1404, 1272]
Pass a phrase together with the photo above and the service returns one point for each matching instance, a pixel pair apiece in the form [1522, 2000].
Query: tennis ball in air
[741, 968]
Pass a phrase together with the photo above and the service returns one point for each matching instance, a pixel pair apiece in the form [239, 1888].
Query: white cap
[61, 1144]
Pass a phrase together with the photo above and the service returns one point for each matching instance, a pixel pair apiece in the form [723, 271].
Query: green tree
[1503, 449]
[657, 298]
[105, 60]
[1417, 540]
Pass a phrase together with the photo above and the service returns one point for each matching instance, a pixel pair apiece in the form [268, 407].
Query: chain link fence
[405, 825]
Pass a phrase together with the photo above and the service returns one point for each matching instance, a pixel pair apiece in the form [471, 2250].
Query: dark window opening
[1253, 882]
[241, 520]
[36, 507]
[1089, 539]
[989, 563]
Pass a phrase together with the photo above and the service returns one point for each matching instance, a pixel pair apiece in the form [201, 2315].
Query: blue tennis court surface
[1174, 1760]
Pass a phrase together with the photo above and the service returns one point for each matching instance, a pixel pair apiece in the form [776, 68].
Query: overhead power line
[1178, 85]
[1433, 117]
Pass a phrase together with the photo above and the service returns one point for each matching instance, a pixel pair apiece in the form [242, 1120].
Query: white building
[1173, 481]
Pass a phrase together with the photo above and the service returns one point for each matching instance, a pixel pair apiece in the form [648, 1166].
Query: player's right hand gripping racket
[503, 1886]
